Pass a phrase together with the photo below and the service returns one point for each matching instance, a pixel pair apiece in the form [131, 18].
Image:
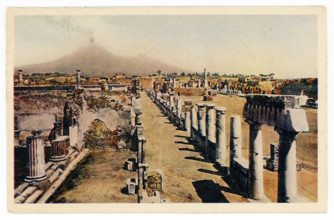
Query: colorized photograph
[165, 107]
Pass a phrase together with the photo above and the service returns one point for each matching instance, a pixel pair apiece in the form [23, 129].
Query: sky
[249, 44]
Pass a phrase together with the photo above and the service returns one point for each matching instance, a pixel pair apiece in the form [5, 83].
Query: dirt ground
[189, 178]
[99, 179]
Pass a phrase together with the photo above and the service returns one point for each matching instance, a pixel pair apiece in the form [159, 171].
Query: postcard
[167, 109]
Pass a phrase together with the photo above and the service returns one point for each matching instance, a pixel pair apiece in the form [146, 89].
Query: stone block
[131, 187]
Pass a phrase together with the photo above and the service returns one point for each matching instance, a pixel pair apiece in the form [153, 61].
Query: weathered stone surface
[280, 111]
[256, 190]
[221, 149]
[36, 161]
[201, 119]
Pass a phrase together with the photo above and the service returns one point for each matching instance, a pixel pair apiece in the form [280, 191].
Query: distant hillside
[95, 60]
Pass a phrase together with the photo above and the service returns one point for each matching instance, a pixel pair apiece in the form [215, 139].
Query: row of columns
[287, 181]
[140, 142]
[213, 130]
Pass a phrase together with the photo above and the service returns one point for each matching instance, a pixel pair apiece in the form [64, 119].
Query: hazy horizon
[248, 44]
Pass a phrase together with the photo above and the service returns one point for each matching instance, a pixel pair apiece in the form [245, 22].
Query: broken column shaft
[36, 160]
[59, 149]
[141, 149]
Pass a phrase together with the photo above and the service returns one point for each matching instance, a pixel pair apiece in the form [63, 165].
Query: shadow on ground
[209, 192]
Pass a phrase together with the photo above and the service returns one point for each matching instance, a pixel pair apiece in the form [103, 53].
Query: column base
[58, 159]
[30, 179]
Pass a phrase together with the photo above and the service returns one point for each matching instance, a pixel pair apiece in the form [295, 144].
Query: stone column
[255, 179]
[78, 78]
[59, 148]
[171, 101]
[287, 174]
[36, 163]
[187, 123]
[221, 149]
[210, 127]
[193, 121]
[201, 119]
[141, 149]
[178, 107]
[235, 138]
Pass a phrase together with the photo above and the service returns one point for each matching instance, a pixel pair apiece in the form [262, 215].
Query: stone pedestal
[235, 138]
[287, 174]
[36, 158]
[255, 179]
[221, 149]
[210, 126]
[138, 120]
[201, 119]
[131, 187]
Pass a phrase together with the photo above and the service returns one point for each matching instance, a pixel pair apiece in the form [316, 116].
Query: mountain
[95, 61]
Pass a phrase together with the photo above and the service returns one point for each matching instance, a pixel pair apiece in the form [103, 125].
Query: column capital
[221, 110]
[209, 105]
[200, 105]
